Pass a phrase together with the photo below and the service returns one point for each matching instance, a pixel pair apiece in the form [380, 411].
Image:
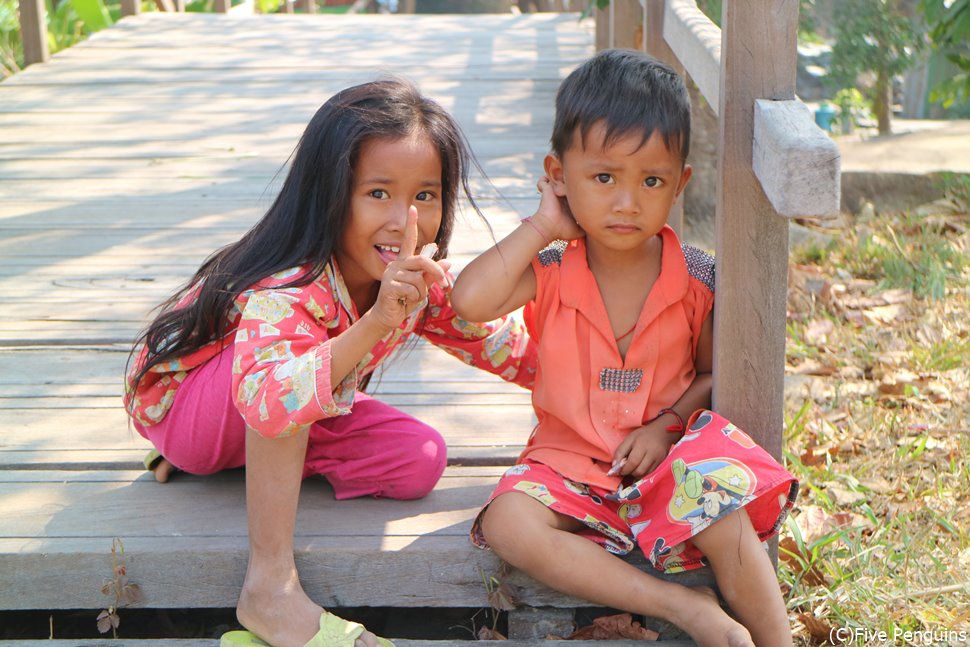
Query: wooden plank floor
[123, 163]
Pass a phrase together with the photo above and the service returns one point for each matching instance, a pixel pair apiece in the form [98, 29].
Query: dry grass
[878, 408]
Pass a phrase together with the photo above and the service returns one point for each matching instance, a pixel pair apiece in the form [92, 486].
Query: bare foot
[163, 470]
[707, 623]
[286, 617]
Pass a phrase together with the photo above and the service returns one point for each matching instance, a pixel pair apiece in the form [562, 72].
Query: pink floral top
[281, 357]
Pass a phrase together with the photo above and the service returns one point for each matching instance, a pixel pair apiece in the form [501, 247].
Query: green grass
[887, 470]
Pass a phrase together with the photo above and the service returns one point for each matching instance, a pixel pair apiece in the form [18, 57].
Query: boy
[623, 316]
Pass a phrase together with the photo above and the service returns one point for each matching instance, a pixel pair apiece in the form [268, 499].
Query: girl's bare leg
[163, 470]
[533, 538]
[272, 603]
[747, 578]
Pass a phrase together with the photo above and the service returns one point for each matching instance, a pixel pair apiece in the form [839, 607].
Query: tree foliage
[873, 36]
[949, 31]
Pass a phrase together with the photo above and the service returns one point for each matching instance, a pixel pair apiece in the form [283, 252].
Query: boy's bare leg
[272, 603]
[533, 538]
[746, 578]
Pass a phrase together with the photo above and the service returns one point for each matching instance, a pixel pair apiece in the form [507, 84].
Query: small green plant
[501, 597]
[853, 109]
[956, 188]
[123, 591]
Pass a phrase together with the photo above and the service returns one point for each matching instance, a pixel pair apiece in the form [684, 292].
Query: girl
[260, 358]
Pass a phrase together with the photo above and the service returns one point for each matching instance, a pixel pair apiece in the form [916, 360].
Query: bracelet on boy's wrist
[680, 427]
[545, 238]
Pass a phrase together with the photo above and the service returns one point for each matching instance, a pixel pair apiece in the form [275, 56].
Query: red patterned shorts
[712, 471]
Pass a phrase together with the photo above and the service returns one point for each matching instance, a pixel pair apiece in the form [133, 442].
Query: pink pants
[375, 450]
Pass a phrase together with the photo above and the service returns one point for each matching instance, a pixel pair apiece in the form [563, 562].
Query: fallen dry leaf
[814, 523]
[820, 631]
[798, 561]
[615, 627]
[487, 633]
[818, 330]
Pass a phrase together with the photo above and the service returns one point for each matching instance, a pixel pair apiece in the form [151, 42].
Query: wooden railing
[773, 163]
[33, 21]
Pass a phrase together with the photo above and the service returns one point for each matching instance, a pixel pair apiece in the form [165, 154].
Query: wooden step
[398, 643]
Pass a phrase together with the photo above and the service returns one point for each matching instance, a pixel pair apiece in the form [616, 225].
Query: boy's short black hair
[631, 93]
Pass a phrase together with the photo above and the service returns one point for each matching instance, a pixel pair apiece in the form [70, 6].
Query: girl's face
[390, 176]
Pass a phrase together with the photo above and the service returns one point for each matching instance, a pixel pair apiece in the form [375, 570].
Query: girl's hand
[404, 286]
[553, 215]
[644, 449]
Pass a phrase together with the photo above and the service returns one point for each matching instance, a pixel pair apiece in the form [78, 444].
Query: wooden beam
[602, 37]
[758, 54]
[696, 41]
[33, 27]
[130, 7]
[627, 18]
[657, 47]
[795, 161]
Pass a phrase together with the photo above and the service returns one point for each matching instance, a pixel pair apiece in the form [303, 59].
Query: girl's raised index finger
[410, 241]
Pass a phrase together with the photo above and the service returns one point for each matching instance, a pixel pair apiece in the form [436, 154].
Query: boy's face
[619, 194]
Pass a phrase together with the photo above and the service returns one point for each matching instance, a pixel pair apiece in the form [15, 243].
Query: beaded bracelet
[673, 429]
[541, 233]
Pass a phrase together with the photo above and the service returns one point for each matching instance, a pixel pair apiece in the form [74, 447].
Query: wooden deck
[123, 163]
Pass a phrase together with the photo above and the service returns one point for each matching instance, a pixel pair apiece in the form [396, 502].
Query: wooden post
[222, 6]
[33, 27]
[130, 7]
[602, 28]
[657, 47]
[627, 22]
[758, 41]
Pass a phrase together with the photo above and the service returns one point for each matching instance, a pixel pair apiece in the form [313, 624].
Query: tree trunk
[882, 105]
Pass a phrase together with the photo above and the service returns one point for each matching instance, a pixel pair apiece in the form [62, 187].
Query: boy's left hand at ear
[553, 215]
[644, 449]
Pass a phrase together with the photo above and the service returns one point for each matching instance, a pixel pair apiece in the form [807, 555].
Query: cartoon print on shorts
[632, 492]
[517, 470]
[708, 489]
[629, 511]
[537, 491]
[738, 436]
[582, 490]
[669, 559]
[613, 540]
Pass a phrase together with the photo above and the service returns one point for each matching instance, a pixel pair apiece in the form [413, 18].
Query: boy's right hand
[553, 215]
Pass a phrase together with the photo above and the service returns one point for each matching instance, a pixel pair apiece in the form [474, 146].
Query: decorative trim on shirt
[553, 253]
[624, 380]
[700, 265]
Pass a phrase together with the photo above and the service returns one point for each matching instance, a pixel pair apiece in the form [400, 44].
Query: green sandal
[334, 632]
[152, 459]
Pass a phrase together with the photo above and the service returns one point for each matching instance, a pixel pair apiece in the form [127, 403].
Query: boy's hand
[404, 286]
[644, 449]
[553, 215]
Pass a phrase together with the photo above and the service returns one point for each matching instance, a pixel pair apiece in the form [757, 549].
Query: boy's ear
[684, 179]
[553, 167]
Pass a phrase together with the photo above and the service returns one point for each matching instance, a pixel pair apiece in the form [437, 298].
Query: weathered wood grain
[757, 62]
[795, 161]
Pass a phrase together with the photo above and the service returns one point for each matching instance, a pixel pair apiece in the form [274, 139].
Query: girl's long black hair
[308, 217]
